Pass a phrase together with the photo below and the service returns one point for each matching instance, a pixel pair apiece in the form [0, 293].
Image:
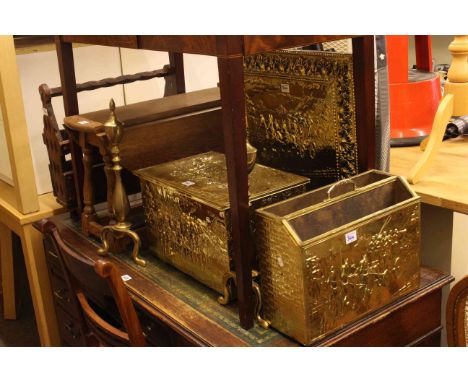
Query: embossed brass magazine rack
[329, 256]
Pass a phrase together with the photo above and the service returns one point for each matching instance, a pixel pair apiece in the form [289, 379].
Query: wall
[5, 164]
[93, 63]
[440, 53]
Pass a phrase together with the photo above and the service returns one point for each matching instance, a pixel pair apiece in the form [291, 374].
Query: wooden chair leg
[443, 114]
[39, 284]
[8, 278]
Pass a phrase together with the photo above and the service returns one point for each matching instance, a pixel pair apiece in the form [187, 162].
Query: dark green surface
[194, 294]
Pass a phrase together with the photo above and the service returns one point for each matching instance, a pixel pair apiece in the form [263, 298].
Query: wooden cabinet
[66, 311]
[185, 313]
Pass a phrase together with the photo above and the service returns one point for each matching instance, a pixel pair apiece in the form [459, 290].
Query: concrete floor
[23, 330]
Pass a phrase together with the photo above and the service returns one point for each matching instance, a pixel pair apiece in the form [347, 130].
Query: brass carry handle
[339, 183]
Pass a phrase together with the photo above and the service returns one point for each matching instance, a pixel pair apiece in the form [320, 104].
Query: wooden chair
[98, 281]
[457, 314]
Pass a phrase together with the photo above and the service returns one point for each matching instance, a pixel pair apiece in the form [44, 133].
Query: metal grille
[340, 46]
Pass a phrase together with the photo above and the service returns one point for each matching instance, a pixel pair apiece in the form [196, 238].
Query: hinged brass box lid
[186, 204]
[204, 178]
[329, 256]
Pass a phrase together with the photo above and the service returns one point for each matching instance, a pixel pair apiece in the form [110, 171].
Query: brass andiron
[120, 205]
[225, 299]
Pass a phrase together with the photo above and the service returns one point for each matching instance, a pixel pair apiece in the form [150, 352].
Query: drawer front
[61, 293]
[69, 327]
[158, 334]
[51, 255]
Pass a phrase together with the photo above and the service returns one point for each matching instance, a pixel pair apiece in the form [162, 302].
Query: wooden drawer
[158, 334]
[50, 254]
[69, 327]
[61, 293]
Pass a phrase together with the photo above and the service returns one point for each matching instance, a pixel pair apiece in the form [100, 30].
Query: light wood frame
[20, 206]
[23, 194]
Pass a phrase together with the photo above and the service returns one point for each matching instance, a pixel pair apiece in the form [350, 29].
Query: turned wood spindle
[457, 82]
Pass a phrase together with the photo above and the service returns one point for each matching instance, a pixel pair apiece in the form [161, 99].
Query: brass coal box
[329, 256]
[186, 205]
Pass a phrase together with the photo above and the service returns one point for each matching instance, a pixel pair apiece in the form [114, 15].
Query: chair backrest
[99, 281]
[457, 314]
[57, 141]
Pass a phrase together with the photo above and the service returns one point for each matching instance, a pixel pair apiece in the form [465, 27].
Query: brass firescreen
[301, 113]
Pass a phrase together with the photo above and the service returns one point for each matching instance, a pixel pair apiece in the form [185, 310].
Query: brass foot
[226, 297]
[119, 233]
[104, 250]
[258, 307]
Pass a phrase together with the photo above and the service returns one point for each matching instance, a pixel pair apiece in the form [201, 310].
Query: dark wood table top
[206, 45]
[191, 310]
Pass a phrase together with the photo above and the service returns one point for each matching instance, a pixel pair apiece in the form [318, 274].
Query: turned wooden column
[457, 83]
[88, 215]
[110, 179]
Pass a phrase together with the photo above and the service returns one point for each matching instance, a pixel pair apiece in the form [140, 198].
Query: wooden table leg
[39, 284]
[231, 79]
[8, 278]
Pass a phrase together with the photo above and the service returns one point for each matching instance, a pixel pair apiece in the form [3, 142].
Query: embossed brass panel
[326, 262]
[186, 206]
[301, 113]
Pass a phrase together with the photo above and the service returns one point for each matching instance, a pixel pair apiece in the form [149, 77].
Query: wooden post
[22, 193]
[231, 79]
[364, 89]
[70, 103]
[175, 83]
[457, 83]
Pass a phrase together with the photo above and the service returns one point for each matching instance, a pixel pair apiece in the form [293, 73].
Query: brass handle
[69, 327]
[61, 294]
[53, 255]
[339, 183]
